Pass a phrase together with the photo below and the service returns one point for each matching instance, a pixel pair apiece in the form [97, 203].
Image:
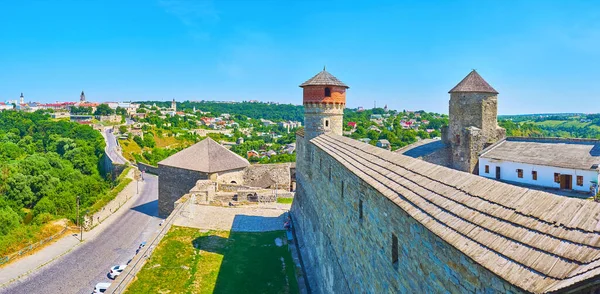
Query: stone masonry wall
[172, 184]
[231, 177]
[323, 119]
[278, 173]
[344, 253]
[468, 110]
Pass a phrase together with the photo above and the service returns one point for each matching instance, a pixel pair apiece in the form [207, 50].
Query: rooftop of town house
[582, 154]
[535, 240]
[206, 156]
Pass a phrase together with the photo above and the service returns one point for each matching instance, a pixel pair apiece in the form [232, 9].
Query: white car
[116, 271]
[101, 287]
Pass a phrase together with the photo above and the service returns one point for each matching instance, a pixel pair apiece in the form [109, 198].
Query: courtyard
[222, 250]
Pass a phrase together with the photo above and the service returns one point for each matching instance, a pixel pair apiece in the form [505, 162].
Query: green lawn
[190, 261]
[285, 200]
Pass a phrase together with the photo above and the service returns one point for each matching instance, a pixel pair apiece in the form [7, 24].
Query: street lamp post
[78, 216]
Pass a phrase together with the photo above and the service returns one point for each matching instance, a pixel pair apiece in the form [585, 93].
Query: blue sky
[542, 56]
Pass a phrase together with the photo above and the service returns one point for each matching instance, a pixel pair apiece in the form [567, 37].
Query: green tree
[104, 109]
[8, 220]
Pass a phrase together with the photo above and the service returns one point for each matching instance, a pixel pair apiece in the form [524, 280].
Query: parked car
[141, 246]
[101, 287]
[116, 271]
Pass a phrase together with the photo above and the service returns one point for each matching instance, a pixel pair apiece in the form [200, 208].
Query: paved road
[88, 264]
[111, 147]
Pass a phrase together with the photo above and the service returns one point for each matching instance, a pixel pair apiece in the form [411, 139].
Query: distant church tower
[174, 105]
[82, 97]
[22, 99]
[324, 100]
[473, 122]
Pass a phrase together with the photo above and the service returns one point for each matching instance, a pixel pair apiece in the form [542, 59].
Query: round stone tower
[324, 100]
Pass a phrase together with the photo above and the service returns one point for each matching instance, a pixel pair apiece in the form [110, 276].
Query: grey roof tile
[206, 156]
[544, 241]
[324, 78]
[473, 83]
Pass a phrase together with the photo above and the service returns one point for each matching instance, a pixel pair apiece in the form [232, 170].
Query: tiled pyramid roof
[473, 83]
[206, 156]
[324, 78]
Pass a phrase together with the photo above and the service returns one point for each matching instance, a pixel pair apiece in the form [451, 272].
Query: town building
[569, 164]
[6, 106]
[205, 160]
[368, 220]
[384, 143]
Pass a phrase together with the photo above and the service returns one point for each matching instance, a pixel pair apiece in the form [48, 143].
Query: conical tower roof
[473, 83]
[323, 78]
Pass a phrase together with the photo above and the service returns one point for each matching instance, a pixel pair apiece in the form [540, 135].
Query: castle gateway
[372, 221]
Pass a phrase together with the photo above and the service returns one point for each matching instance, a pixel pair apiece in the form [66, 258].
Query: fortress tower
[473, 123]
[324, 100]
[82, 97]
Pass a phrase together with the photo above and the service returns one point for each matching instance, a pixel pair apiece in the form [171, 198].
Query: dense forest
[44, 166]
[250, 109]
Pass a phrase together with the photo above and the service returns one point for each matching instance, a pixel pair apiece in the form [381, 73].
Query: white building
[568, 164]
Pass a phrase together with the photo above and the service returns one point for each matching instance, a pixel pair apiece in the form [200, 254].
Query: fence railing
[7, 258]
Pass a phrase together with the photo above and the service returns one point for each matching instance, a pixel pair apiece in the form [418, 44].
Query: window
[330, 173]
[342, 189]
[487, 169]
[556, 177]
[360, 209]
[326, 123]
[520, 173]
[534, 175]
[579, 180]
[394, 250]
[327, 92]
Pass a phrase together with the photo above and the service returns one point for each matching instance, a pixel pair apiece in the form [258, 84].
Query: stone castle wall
[258, 175]
[174, 183]
[473, 125]
[231, 177]
[323, 119]
[346, 253]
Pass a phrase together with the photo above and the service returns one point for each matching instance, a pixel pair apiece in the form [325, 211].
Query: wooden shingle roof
[473, 83]
[323, 78]
[206, 156]
[537, 241]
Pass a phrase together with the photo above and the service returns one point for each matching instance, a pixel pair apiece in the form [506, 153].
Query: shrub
[43, 218]
[45, 205]
[8, 220]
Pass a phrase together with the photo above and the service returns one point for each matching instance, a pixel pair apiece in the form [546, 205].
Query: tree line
[44, 166]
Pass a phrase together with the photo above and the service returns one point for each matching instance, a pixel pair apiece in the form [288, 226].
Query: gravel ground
[80, 270]
[251, 218]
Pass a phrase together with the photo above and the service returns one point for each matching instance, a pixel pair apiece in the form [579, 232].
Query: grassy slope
[130, 147]
[224, 263]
